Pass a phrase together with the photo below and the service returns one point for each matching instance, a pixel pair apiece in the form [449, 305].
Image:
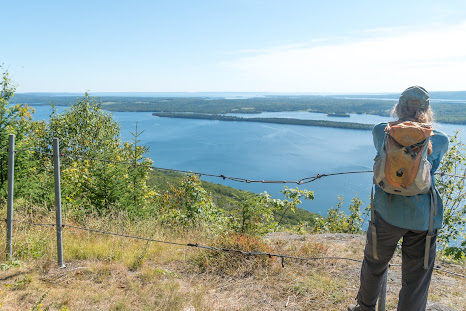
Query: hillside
[227, 198]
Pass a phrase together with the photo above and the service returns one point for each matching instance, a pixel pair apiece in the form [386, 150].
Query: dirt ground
[177, 284]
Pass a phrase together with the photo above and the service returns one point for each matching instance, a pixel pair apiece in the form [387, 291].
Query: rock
[438, 307]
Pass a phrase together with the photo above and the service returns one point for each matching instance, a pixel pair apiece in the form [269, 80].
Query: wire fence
[301, 181]
[228, 250]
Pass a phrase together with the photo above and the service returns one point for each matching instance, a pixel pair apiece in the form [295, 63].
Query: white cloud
[433, 57]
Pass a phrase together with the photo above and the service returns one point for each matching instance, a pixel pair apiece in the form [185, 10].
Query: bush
[233, 263]
[189, 205]
[260, 214]
[451, 186]
[339, 221]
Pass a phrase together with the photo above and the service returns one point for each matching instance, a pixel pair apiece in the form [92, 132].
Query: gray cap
[415, 96]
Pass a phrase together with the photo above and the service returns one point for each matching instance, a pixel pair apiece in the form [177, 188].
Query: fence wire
[228, 250]
[32, 223]
[222, 176]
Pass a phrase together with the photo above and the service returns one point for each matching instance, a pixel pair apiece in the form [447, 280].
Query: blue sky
[237, 45]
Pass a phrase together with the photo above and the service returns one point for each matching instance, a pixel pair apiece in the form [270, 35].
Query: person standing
[406, 217]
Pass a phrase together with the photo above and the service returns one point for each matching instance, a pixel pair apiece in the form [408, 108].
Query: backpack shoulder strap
[430, 231]
[373, 228]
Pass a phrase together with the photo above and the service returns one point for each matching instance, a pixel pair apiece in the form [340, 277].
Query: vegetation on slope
[229, 198]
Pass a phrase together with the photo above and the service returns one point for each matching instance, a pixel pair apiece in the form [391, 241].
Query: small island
[338, 115]
[323, 123]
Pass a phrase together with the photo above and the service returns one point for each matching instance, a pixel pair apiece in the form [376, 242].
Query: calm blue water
[263, 151]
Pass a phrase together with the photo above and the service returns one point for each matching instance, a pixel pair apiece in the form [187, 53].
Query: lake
[263, 151]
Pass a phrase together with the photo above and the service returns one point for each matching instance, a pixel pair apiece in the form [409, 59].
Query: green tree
[84, 129]
[96, 174]
[260, 214]
[137, 194]
[253, 215]
[338, 221]
[17, 120]
[189, 205]
[451, 185]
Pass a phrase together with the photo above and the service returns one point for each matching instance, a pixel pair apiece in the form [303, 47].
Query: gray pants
[415, 279]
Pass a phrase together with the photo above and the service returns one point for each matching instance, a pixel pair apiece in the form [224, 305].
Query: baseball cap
[415, 96]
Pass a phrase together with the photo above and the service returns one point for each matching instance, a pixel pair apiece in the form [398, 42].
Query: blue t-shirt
[410, 212]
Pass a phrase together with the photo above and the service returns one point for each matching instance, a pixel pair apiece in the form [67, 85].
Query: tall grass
[106, 272]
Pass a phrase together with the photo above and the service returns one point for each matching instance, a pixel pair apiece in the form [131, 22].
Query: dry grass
[114, 273]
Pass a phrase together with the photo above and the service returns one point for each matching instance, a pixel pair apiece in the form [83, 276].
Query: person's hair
[413, 113]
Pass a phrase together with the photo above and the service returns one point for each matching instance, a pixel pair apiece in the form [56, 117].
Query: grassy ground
[114, 273]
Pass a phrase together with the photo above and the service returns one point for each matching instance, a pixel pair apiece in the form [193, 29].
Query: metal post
[56, 170]
[11, 177]
[383, 293]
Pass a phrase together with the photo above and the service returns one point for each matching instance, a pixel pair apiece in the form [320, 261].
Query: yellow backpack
[402, 167]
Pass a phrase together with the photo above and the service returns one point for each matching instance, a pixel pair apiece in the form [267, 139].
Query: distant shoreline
[321, 123]
[451, 109]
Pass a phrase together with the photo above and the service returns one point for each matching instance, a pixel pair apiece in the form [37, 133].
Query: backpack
[402, 168]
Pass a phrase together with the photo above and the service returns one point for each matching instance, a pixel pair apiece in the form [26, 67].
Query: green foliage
[139, 260]
[293, 199]
[96, 177]
[9, 265]
[230, 199]
[38, 305]
[338, 221]
[84, 129]
[136, 193]
[451, 187]
[456, 252]
[315, 103]
[260, 214]
[253, 215]
[189, 205]
[15, 119]
[87, 132]
[35, 246]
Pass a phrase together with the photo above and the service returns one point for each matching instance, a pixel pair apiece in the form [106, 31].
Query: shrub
[189, 205]
[451, 186]
[338, 221]
[234, 263]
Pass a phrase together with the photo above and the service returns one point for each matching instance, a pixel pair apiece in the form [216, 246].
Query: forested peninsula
[449, 107]
[323, 123]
